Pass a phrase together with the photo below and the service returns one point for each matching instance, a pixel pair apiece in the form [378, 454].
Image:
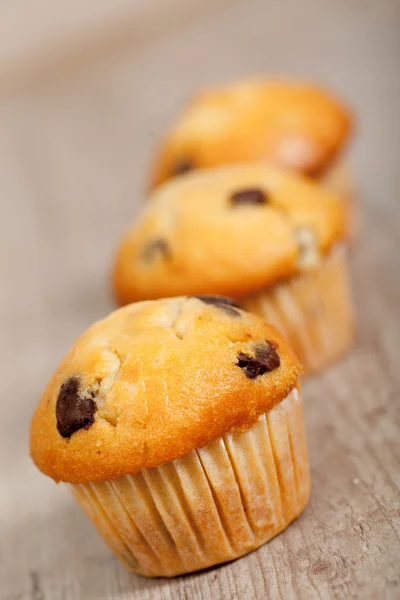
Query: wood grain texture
[42, 40]
[73, 155]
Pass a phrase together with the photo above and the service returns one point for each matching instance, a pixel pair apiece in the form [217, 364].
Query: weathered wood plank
[73, 155]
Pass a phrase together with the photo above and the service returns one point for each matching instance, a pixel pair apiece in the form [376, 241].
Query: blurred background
[86, 90]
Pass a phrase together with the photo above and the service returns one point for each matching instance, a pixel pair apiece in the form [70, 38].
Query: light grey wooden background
[75, 143]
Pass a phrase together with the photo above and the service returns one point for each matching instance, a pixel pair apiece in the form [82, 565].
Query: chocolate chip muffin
[293, 125]
[178, 426]
[271, 240]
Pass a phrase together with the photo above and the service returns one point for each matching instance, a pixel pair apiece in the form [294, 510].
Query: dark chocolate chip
[212, 299]
[249, 196]
[156, 247]
[182, 166]
[226, 304]
[72, 411]
[266, 359]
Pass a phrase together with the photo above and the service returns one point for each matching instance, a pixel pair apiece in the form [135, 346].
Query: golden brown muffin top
[153, 381]
[286, 123]
[228, 231]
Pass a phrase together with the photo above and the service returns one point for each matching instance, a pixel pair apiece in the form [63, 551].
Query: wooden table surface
[74, 148]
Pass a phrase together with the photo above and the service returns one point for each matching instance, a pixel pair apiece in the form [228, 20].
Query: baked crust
[287, 123]
[192, 239]
[165, 379]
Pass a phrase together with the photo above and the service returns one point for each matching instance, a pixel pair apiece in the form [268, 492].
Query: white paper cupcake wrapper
[312, 310]
[213, 505]
[338, 180]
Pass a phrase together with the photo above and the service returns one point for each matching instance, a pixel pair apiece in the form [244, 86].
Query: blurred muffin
[285, 123]
[178, 425]
[268, 238]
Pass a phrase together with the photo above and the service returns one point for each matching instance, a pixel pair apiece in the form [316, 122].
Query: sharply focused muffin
[270, 239]
[289, 124]
[178, 425]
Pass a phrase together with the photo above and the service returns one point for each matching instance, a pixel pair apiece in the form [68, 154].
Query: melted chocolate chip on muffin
[249, 196]
[226, 304]
[182, 166]
[72, 411]
[156, 247]
[266, 359]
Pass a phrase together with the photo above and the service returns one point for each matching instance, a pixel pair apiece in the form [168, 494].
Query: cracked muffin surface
[154, 380]
[229, 231]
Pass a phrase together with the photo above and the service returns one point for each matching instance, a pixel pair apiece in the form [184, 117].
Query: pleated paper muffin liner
[338, 180]
[213, 505]
[312, 310]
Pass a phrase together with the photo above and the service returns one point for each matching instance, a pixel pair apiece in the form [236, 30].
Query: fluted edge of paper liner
[215, 504]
